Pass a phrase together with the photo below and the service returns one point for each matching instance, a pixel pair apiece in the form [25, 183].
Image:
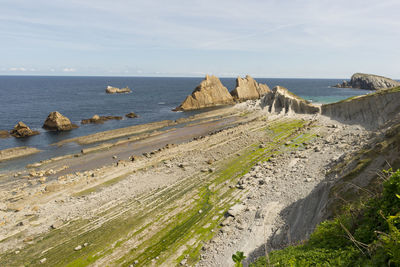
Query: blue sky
[270, 38]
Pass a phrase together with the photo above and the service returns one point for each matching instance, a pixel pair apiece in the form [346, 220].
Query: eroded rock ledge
[281, 101]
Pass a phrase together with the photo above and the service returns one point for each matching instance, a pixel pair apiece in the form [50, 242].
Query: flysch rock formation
[368, 82]
[57, 122]
[100, 119]
[281, 101]
[248, 89]
[209, 93]
[22, 130]
[368, 110]
[4, 134]
[115, 90]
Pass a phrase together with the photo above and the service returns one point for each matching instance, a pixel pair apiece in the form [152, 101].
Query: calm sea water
[31, 98]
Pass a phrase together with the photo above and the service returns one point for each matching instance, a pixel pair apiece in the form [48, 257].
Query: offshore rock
[115, 90]
[22, 130]
[281, 101]
[100, 119]
[209, 93]
[248, 89]
[4, 134]
[368, 82]
[57, 122]
[131, 115]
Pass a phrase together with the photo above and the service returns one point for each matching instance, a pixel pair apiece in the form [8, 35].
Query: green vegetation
[368, 235]
[238, 258]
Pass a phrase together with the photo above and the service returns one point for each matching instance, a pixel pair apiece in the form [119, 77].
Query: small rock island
[115, 90]
[368, 82]
[57, 122]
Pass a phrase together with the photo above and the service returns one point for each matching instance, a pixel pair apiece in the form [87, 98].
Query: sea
[31, 98]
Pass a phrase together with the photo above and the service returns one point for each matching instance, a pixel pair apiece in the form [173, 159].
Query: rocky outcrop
[4, 134]
[368, 82]
[131, 115]
[22, 130]
[209, 93]
[100, 119]
[115, 90]
[248, 89]
[281, 101]
[369, 110]
[57, 122]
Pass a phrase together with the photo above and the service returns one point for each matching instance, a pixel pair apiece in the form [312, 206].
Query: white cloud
[17, 69]
[69, 70]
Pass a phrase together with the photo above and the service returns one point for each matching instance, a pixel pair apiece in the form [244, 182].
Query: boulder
[281, 101]
[209, 93]
[368, 82]
[247, 88]
[115, 90]
[22, 130]
[131, 115]
[100, 119]
[57, 122]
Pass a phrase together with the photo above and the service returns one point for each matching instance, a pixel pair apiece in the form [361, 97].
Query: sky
[263, 38]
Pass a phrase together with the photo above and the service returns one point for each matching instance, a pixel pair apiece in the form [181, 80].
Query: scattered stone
[43, 260]
[57, 224]
[79, 247]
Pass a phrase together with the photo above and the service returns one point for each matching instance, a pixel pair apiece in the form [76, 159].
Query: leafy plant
[238, 258]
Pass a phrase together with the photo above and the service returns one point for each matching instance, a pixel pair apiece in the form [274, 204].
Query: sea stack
[247, 89]
[209, 93]
[368, 82]
[57, 122]
[22, 130]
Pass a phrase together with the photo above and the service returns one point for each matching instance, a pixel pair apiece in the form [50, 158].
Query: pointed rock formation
[22, 130]
[209, 93]
[57, 122]
[368, 82]
[247, 89]
[281, 101]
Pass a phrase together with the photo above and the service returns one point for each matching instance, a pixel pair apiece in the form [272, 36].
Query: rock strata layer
[16, 152]
[22, 130]
[248, 89]
[100, 119]
[369, 110]
[57, 122]
[368, 82]
[210, 92]
[281, 101]
[115, 90]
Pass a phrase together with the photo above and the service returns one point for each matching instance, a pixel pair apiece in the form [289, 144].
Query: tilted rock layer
[247, 89]
[370, 110]
[281, 101]
[210, 92]
[369, 82]
[57, 122]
